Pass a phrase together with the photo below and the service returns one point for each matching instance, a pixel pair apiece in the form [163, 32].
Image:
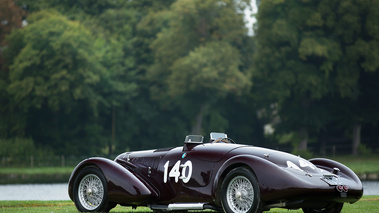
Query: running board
[183, 206]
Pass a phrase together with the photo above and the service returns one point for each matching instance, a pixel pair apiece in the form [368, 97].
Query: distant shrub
[364, 150]
[16, 147]
[18, 150]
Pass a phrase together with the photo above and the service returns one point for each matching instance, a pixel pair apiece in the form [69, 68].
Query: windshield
[194, 139]
[216, 135]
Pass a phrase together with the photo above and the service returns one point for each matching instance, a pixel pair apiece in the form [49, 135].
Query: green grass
[360, 164]
[37, 170]
[366, 204]
[35, 175]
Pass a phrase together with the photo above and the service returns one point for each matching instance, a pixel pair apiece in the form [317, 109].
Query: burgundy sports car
[220, 175]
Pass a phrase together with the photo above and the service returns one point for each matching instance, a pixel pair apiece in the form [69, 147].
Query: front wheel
[240, 192]
[332, 208]
[90, 191]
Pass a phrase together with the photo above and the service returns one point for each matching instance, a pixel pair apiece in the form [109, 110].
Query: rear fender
[123, 185]
[354, 183]
[272, 179]
[328, 165]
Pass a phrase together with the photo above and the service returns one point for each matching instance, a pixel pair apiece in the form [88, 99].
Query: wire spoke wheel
[240, 192]
[91, 192]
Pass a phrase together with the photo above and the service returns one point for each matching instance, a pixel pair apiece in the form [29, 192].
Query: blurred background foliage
[102, 77]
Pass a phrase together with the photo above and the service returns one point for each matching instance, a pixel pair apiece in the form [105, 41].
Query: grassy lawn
[37, 170]
[35, 175]
[360, 164]
[366, 204]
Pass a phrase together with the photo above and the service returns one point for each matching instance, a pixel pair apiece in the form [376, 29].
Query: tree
[119, 82]
[283, 72]
[312, 51]
[56, 66]
[11, 17]
[206, 75]
[55, 69]
[357, 70]
[71, 8]
[120, 49]
[197, 60]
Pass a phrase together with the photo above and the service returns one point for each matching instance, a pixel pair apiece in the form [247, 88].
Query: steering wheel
[223, 140]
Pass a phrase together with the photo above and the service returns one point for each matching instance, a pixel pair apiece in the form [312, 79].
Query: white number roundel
[178, 171]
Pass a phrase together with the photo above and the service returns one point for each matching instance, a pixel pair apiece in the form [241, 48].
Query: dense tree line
[89, 78]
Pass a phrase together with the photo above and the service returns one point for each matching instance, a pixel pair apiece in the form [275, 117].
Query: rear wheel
[90, 191]
[332, 208]
[240, 192]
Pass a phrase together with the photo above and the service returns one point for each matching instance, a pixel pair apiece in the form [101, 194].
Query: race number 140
[178, 171]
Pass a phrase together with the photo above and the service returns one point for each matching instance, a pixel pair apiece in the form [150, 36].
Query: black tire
[240, 192]
[90, 191]
[109, 206]
[332, 208]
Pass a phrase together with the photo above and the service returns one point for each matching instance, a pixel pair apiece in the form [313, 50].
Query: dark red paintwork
[137, 178]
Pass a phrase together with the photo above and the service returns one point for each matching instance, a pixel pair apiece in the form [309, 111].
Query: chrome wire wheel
[90, 192]
[240, 194]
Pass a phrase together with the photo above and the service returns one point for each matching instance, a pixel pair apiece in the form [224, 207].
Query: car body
[218, 175]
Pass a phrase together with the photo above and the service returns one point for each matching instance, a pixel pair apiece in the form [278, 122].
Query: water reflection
[370, 187]
[34, 192]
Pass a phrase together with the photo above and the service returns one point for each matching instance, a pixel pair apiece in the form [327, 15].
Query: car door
[186, 173]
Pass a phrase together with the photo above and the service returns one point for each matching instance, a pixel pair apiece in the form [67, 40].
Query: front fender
[123, 185]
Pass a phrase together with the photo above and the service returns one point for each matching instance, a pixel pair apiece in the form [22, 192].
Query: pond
[370, 187]
[59, 191]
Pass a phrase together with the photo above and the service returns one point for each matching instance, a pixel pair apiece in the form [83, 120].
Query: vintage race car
[219, 175]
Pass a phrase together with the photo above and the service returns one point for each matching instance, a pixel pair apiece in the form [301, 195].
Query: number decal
[304, 163]
[165, 172]
[178, 171]
[175, 173]
[188, 165]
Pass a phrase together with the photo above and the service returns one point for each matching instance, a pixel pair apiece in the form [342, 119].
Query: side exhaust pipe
[185, 206]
